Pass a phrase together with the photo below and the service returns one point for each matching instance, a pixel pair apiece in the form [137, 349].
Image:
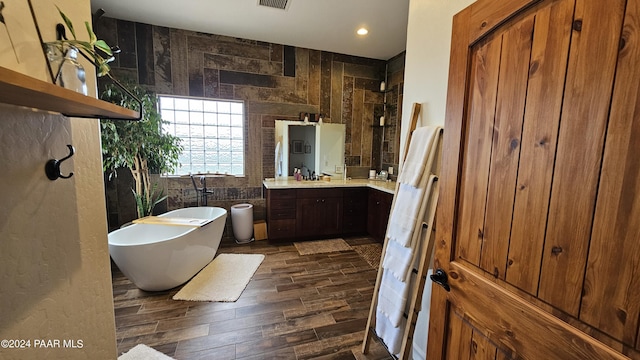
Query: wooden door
[538, 226]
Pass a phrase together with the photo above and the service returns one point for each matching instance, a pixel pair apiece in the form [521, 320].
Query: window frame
[188, 139]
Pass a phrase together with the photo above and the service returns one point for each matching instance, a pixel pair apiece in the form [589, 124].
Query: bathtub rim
[186, 230]
[218, 211]
[149, 241]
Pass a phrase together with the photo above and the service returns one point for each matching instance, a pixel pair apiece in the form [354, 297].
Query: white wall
[54, 261]
[427, 60]
[425, 82]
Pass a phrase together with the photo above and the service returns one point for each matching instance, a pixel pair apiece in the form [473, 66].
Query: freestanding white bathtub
[159, 257]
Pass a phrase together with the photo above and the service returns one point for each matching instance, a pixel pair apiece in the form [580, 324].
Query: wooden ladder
[425, 249]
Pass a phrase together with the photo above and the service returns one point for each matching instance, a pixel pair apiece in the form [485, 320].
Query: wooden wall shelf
[23, 90]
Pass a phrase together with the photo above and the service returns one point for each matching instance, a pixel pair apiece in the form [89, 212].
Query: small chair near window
[201, 191]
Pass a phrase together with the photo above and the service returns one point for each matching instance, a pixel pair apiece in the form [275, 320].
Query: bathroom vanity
[316, 209]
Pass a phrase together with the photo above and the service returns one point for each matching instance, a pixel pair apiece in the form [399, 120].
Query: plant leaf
[83, 44]
[139, 204]
[103, 69]
[92, 35]
[67, 21]
[102, 45]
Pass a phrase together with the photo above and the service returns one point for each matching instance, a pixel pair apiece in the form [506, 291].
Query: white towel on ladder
[421, 145]
[392, 335]
[399, 254]
[404, 214]
[397, 260]
[392, 297]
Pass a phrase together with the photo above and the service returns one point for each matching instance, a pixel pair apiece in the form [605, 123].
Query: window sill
[205, 175]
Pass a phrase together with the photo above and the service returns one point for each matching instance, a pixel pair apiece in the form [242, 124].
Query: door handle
[440, 278]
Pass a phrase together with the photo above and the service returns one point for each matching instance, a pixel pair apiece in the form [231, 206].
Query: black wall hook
[61, 32]
[52, 167]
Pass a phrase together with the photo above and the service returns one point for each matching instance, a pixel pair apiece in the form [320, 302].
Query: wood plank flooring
[295, 307]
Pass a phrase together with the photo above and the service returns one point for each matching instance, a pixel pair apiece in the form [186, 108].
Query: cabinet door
[330, 215]
[319, 216]
[308, 217]
[373, 214]
[371, 218]
[383, 215]
[354, 208]
[378, 213]
[319, 212]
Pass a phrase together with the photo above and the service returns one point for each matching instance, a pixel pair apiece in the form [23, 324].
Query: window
[212, 133]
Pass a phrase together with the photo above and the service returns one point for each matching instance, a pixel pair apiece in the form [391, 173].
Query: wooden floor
[295, 307]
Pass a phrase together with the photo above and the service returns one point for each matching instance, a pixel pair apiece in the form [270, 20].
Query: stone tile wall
[276, 82]
[391, 144]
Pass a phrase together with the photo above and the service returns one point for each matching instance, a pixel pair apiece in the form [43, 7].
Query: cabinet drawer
[355, 211]
[283, 213]
[282, 193]
[319, 193]
[357, 217]
[282, 204]
[282, 229]
[354, 224]
[353, 206]
[355, 200]
[355, 195]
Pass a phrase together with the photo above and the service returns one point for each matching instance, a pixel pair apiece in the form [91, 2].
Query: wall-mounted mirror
[312, 147]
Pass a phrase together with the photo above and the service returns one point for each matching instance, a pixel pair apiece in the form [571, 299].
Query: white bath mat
[143, 352]
[223, 279]
[321, 246]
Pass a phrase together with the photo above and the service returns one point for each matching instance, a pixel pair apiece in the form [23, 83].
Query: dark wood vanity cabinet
[319, 212]
[379, 208]
[316, 213]
[354, 209]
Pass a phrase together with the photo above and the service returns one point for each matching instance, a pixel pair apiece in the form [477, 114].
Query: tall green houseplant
[139, 146]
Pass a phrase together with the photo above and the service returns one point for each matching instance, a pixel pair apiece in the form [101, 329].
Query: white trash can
[242, 222]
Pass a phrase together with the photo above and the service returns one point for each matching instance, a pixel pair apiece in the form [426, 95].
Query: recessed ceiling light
[362, 31]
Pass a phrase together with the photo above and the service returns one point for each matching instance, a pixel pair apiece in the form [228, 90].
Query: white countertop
[290, 183]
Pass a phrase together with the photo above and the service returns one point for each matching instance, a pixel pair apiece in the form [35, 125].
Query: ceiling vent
[278, 4]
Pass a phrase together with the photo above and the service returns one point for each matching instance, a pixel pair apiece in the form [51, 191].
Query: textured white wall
[54, 261]
[425, 82]
[427, 63]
